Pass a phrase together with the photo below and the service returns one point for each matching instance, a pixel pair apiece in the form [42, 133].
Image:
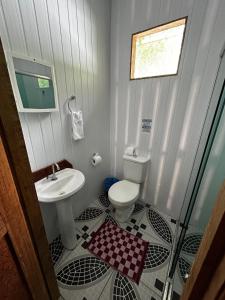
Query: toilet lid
[124, 191]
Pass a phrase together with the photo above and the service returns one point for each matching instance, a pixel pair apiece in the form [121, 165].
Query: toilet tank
[134, 168]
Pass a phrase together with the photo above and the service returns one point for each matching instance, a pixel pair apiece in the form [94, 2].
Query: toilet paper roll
[96, 159]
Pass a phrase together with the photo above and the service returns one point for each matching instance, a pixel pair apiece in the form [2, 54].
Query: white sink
[68, 182]
[59, 192]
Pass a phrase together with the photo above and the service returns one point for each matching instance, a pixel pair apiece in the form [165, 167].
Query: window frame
[133, 49]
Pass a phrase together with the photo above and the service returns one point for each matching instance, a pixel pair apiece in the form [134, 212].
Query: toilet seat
[124, 193]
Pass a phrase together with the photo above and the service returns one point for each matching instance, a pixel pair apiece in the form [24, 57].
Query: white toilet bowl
[123, 196]
[124, 193]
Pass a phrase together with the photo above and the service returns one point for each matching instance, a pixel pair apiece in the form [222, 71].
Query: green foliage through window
[43, 83]
[156, 52]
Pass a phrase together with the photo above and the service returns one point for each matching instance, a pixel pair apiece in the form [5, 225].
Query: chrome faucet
[53, 176]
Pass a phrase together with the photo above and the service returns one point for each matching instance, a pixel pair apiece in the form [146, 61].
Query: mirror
[33, 84]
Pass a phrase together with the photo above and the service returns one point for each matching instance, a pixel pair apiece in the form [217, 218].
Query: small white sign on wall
[146, 125]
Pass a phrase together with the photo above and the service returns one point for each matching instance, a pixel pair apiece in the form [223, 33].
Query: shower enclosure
[208, 175]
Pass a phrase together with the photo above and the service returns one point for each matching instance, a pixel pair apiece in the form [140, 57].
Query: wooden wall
[177, 105]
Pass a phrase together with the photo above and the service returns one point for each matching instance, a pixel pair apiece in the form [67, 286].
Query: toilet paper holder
[96, 159]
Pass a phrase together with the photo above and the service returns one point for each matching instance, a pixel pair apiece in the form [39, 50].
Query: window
[156, 52]
[43, 83]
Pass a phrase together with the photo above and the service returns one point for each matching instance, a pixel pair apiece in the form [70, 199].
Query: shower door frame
[207, 276]
[204, 264]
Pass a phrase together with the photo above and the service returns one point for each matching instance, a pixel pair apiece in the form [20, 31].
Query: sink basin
[69, 182]
[59, 192]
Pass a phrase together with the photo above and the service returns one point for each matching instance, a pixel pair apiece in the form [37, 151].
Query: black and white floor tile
[85, 223]
[191, 243]
[155, 224]
[156, 256]
[139, 207]
[183, 268]
[80, 275]
[56, 249]
[83, 272]
[102, 202]
[120, 288]
[190, 247]
[91, 215]
[160, 226]
[156, 264]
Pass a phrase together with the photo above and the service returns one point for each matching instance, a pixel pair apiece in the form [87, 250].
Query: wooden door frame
[207, 276]
[15, 226]
[14, 145]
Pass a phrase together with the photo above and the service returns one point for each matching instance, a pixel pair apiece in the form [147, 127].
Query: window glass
[156, 52]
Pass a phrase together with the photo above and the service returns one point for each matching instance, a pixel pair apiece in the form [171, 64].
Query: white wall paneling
[74, 36]
[177, 104]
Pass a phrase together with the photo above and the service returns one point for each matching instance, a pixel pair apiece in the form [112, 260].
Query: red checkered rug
[123, 251]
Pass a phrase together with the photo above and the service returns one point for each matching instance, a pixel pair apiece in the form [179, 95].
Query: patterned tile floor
[82, 276]
[189, 249]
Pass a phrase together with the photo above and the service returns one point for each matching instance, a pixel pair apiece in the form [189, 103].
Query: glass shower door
[197, 210]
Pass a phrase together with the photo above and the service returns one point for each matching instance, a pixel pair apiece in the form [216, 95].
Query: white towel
[77, 125]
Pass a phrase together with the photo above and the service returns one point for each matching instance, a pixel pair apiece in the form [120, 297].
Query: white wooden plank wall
[177, 105]
[74, 35]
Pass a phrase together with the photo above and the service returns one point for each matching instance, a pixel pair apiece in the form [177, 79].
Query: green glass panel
[35, 92]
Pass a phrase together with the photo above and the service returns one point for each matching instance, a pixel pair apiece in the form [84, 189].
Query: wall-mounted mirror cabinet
[33, 83]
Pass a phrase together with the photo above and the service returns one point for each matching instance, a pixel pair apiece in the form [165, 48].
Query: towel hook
[69, 100]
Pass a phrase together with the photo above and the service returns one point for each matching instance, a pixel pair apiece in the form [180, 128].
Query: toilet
[125, 193]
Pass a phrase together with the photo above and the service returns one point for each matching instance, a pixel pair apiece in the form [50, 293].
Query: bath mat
[120, 249]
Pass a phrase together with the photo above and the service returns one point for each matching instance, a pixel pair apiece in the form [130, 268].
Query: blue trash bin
[108, 182]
